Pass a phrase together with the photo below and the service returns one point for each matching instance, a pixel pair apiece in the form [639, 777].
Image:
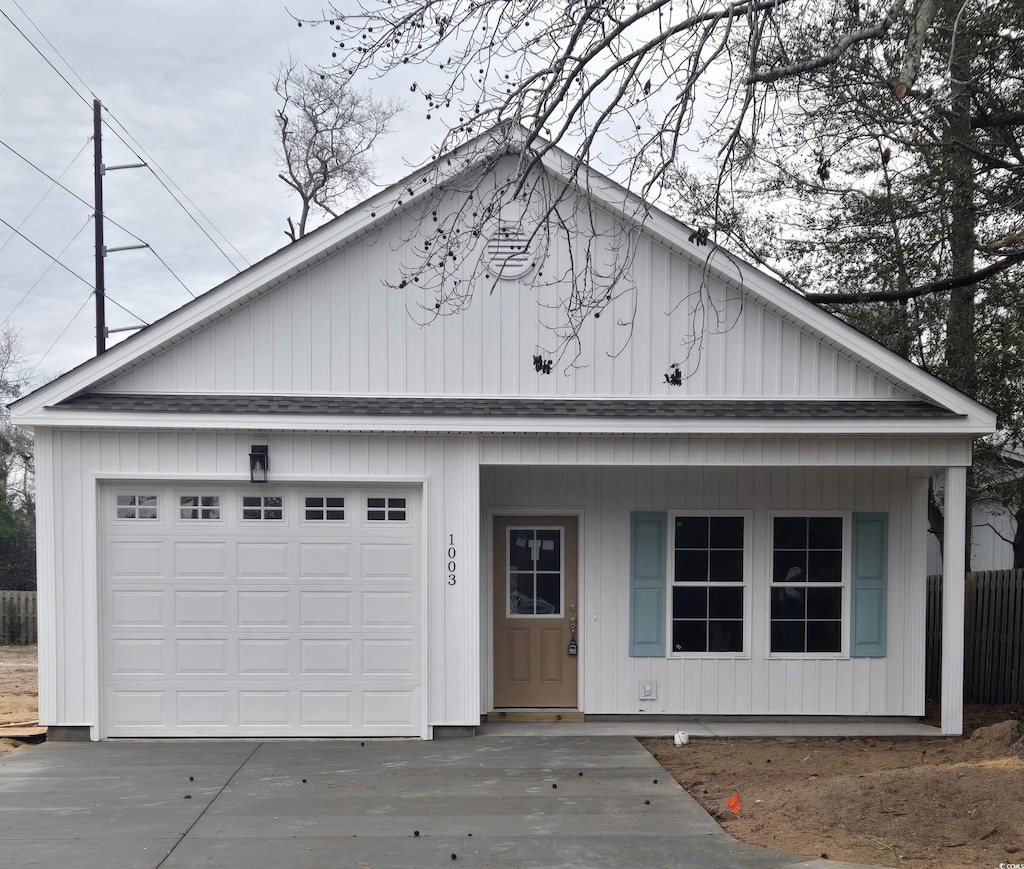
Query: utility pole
[101, 251]
[97, 219]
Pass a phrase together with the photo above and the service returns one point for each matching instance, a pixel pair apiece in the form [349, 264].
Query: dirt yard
[921, 803]
[18, 693]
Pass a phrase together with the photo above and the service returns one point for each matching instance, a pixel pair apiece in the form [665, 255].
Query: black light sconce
[259, 463]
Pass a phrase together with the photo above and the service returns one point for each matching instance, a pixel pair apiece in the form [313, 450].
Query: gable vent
[509, 253]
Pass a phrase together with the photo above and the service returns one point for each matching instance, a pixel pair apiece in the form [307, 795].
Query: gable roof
[45, 405]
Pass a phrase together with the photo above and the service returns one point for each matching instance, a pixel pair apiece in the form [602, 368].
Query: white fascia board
[674, 234]
[56, 418]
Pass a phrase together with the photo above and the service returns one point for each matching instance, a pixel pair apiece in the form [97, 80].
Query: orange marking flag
[734, 803]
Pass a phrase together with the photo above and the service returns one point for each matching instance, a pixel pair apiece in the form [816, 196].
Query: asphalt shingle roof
[637, 408]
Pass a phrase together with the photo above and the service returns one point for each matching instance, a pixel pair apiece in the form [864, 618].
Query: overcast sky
[190, 80]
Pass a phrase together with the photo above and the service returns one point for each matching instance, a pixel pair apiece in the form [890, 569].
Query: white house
[444, 531]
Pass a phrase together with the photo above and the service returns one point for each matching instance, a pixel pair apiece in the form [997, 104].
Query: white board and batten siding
[755, 682]
[336, 328]
[81, 623]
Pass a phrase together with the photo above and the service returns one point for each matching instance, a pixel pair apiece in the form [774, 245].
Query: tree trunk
[1018, 539]
[961, 349]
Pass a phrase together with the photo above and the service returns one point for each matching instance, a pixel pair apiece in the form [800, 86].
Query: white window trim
[845, 585]
[561, 575]
[285, 508]
[748, 569]
[367, 522]
[140, 493]
[198, 492]
[350, 500]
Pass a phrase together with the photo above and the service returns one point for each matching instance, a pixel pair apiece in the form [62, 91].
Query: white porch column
[953, 571]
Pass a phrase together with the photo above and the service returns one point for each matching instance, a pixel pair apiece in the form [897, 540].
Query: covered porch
[750, 683]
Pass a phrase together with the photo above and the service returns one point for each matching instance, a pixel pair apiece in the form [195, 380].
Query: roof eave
[409, 424]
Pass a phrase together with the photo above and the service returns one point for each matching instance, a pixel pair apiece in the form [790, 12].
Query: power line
[44, 57]
[45, 253]
[125, 142]
[55, 51]
[179, 280]
[87, 205]
[150, 164]
[109, 298]
[61, 335]
[46, 271]
[56, 183]
[54, 180]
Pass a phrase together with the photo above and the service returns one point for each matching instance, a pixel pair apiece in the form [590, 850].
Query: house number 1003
[451, 559]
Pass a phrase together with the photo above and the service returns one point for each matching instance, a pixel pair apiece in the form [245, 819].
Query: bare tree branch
[916, 292]
[326, 131]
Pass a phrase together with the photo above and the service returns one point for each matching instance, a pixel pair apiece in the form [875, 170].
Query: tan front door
[535, 612]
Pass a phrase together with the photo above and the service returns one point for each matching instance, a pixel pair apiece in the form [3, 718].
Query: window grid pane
[199, 507]
[708, 584]
[807, 584]
[263, 507]
[324, 508]
[136, 506]
[385, 509]
[535, 571]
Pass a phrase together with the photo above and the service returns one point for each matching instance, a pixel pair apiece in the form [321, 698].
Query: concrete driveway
[492, 801]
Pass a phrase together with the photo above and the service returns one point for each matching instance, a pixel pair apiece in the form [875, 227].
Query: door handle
[573, 649]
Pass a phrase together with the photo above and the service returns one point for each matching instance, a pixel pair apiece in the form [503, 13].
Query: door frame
[487, 596]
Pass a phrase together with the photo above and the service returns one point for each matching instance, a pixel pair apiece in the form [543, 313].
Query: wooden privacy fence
[994, 637]
[18, 624]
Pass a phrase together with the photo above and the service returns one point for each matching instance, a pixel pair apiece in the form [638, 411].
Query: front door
[535, 615]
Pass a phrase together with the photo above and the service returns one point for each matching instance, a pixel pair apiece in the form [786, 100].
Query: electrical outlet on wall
[648, 689]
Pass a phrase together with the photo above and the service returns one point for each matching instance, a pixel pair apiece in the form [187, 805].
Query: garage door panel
[387, 560]
[134, 608]
[260, 608]
[325, 657]
[200, 608]
[262, 559]
[203, 708]
[135, 657]
[264, 657]
[332, 708]
[388, 708]
[388, 609]
[325, 560]
[201, 657]
[388, 657]
[234, 628]
[199, 559]
[141, 709]
[137, 558]
[264, 708]
[322, 608]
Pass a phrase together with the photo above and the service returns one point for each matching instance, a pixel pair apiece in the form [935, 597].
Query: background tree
[868, 152]
[17, 489]
[326, 130]
[904, 215]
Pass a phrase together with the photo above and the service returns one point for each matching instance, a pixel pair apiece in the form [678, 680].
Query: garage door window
[263, 507]
[385, 509]
[137, 507]
[199, 508]
[329, 508]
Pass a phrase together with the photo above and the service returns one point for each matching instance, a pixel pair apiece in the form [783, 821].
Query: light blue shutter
[870, 584]
[647, 581]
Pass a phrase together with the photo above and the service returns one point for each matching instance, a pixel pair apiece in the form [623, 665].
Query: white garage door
[261, 611]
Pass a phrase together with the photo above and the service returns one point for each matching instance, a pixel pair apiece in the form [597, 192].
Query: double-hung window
[808, 583]
[709, 582]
